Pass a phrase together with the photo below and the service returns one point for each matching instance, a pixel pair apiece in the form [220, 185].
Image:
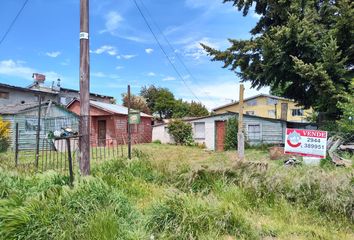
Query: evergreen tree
[303, 49]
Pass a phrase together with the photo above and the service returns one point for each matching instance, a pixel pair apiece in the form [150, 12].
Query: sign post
[134, 117]
[303, 142]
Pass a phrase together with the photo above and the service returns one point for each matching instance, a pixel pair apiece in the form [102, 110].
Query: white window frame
[252, 102]
[200, 135]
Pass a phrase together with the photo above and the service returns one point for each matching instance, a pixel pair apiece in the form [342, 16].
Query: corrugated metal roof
[114, 108]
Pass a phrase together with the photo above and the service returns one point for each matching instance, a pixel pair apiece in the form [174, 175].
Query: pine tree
[303, 49]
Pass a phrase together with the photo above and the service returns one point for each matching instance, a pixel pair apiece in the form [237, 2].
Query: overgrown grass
[204, 196]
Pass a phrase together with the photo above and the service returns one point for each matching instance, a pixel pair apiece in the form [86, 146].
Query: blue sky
[45, 39]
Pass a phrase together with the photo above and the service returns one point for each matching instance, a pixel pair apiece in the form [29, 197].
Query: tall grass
[135, 199]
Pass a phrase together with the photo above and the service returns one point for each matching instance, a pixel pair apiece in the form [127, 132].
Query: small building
[53, 117]
[269, 106]
[109, 124]
[211, 130]
[15, 95]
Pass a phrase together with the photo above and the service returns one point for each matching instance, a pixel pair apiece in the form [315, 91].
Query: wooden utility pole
[240, 135]
[129, 129]
[84, 142]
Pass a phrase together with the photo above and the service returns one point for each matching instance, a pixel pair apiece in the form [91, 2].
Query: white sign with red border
[310, 143]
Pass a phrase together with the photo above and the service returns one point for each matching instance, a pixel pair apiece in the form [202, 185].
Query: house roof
[48, 90]
[253, 97]
[22, 88]
[111, 108]
[18, 108]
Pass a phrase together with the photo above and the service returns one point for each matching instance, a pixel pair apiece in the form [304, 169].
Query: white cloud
[98, 74]
[213, 95]
[149, 50]
[110, 50]
[169, 78]
[194, 50]
[104, 75]
[13, 68]
[151, 74]
[119, 67]
[256, 16]
[128, 56]
[202, 3]
[113, 20]
[53, 54]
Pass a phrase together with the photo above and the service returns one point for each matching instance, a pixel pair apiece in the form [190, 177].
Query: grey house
[53, 117]
[13, 95]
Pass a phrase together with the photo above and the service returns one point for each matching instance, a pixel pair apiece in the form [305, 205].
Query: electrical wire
[164, 52]
[13, 21]
[169, 44]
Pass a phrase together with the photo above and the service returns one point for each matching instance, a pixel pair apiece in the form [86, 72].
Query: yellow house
[269, 106]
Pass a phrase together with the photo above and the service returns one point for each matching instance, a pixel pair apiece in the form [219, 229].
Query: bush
[157, 141]
[231, 134]
[181, 132]
[4, 135]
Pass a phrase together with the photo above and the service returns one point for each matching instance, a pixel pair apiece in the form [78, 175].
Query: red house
[109, 124]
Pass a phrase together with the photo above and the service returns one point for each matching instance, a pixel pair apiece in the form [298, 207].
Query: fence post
[16, 144]
[70, 161]
[38, 130]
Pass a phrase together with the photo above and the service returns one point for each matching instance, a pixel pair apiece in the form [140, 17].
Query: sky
[45, 39]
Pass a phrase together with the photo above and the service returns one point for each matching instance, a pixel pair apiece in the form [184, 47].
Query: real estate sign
[310, 143]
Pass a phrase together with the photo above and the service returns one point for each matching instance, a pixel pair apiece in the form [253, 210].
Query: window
[297, 112]
[272, 101]
[250, 112]
[31, 125]
[252, 102]
[254, 132]
[199, 130]
[4, 95]
[271, 113]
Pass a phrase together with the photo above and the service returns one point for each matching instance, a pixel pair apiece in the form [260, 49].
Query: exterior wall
[56, 118]
[159, 132]
[17, 96]
[75, 108]
[262, 108]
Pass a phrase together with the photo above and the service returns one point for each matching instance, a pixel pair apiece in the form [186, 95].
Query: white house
[210, 130]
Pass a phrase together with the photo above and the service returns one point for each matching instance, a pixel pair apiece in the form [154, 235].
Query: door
[219, 135]
[101, 132]
[284, 111]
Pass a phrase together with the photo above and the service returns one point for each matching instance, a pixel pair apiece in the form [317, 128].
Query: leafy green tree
[303, 49]
[346, 122]
[4, 135]
[181, 109]
[136, 102]
[159, 100]
[197, 109]
[231, 134]
[180, 131]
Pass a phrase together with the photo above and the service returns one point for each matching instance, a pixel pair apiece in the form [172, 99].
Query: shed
[109, 124]
[53, 117]
[210, 130]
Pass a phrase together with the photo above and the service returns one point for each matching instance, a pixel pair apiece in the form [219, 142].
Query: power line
[163, 50]
[13, 21]
[168, 43]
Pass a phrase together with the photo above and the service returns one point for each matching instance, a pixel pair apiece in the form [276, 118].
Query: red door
[101, 132]
[220, 135]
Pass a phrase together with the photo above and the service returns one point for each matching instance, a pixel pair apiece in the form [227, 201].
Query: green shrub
[157, 141]
[231, 134]
[181, 132]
